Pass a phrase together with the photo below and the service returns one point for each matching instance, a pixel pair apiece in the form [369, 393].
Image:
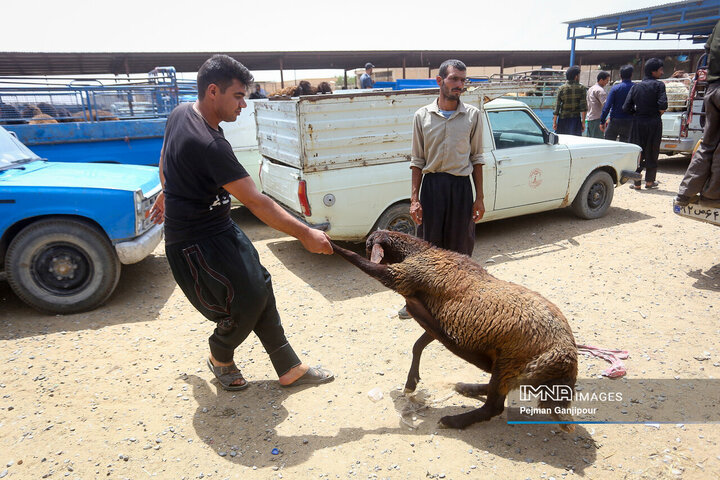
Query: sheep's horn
[377, 253]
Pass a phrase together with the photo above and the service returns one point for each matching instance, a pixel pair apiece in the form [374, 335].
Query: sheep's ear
[377, 253]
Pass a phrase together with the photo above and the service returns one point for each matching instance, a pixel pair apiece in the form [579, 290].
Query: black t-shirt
[197, 162]
[646, 98]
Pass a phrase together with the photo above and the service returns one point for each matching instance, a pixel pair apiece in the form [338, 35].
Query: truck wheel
[62, 266]
[397, 218]
[595, 196]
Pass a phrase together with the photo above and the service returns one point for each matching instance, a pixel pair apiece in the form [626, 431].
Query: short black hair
[603, 75]
[456, 64]
[626, 72]
[653, 65]
[572, 72]
[222, 70]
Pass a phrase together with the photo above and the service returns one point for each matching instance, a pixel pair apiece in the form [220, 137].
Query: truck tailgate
[328, 132]
[671, 124]
[281, 183]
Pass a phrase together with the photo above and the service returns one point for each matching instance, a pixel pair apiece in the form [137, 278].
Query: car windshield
[13, 152]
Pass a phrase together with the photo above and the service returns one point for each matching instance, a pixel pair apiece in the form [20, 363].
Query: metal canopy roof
[47, 63]
[689, 20]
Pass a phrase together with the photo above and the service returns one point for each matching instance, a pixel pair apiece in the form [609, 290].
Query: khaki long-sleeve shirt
[451, 145]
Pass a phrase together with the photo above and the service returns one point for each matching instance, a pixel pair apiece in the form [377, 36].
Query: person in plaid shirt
[571, 104]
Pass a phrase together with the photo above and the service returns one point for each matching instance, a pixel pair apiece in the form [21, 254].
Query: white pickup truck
[341, 162]
[684, 122]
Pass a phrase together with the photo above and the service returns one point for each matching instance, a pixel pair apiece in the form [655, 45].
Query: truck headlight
[138, 198]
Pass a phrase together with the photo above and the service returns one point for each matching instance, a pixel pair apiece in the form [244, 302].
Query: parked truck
[95, 120]
[684, 122]
[65, 228]
[341, 162]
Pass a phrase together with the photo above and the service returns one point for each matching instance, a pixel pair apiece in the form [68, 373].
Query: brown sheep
[42, 118]
[503, 328]
[48, 109]
[97, 115]
[29, 111]
[303, 88]
[324, 87]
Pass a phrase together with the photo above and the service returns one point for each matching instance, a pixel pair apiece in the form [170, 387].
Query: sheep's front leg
[414, 373]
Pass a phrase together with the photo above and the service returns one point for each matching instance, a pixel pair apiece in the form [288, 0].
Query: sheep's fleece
[505, 329]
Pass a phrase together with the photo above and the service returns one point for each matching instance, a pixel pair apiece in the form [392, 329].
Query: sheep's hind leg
[414, 373]
[494, 406]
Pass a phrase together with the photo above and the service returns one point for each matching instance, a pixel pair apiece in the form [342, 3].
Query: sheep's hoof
[411, 385]
[451, 421]
[567, 427]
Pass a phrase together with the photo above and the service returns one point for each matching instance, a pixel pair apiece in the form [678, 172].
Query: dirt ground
[124, 392]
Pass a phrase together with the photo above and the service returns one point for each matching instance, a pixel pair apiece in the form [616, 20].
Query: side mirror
[552, 138]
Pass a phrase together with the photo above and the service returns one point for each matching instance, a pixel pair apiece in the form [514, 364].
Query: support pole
[572, 52]
[404, 64]
[282, 79]
[345, 86]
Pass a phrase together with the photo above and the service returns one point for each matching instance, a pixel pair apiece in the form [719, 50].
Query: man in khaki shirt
[446, 150]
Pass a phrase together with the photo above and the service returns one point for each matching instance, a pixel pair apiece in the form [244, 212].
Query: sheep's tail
[557, 366]
[376, 270]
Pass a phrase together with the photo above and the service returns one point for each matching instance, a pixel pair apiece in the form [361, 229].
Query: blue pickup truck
[65, 228]
[111, 119]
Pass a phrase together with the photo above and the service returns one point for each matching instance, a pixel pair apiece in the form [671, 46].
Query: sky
[232, 26]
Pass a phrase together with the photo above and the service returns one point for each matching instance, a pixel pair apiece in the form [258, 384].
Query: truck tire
[62, 266]
[397, 219]
[595, 196]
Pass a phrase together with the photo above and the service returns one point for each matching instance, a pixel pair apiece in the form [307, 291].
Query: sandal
[652, 186]
[227, 375]
[314, 376]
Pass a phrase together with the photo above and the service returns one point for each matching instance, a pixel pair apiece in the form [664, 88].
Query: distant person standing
[596, 97]
[571, 104]
[258, 93]
[620, 123]
[366, 80]
[703, 174]
[647, 101]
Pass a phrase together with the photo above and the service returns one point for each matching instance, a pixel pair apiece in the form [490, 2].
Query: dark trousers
[619, 129]
[446, 202]
[647, 134]
[222, 277]
[703, 173]
[571, 126]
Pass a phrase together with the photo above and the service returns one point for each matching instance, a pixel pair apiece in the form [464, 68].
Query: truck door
[529, 171]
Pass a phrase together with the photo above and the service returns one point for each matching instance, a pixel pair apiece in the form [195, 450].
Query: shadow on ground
[144, 287]
[249, 422]
[707, 280]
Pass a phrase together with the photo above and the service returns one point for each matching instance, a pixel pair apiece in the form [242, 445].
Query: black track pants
[222, 277]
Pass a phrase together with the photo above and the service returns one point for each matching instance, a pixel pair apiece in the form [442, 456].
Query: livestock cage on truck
[112, 119]
[36, 100]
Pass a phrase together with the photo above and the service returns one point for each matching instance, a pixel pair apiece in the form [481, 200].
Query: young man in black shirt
[212, 260]
[647, 101]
